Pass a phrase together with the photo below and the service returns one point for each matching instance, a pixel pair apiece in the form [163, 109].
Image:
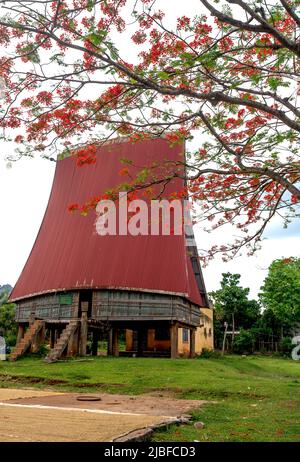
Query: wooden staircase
[28, 339]
[62, 342]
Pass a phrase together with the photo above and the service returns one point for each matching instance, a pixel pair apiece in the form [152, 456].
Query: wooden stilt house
[75, 281]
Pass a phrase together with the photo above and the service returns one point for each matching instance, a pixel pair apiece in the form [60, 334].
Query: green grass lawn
[258, 398]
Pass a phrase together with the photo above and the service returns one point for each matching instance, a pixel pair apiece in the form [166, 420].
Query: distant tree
[232, 304]
[244, 342]
[269, 323]
[280, 292]
[8, 327]
[4, 292]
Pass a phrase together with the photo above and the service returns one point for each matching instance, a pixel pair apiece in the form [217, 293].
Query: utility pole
[224, 338]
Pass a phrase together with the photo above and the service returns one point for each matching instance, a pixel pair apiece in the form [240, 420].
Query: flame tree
[74, 73]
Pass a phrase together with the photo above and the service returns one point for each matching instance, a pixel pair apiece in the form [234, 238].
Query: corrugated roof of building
[69, 254]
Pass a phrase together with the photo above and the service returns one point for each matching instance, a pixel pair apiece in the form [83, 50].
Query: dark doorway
[86, 295]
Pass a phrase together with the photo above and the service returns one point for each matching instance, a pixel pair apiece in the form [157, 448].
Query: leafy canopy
[280, 292]
[74, 73]
[232, 299]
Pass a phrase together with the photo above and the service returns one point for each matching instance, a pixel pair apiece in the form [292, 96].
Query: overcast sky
[24, 193]
[25, 189]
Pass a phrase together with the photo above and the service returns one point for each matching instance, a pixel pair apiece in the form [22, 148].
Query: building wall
[184, 341]
[49, 306]
[152, 343]
[204, 335]
[155, 344]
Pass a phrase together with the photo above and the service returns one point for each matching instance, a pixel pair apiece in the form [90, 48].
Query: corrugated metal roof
[69, 254]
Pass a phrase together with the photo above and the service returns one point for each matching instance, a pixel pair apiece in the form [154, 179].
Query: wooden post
[31, 318]
[224, 338]
[39, 338]
[142, 339]
[52, 337]
[21, 332]
[174, 340]
[192, 342]
[56, 335]
[115, 342]
[83, 328]
[110, 342]
[73, 343]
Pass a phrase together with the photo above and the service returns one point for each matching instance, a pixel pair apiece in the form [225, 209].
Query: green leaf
[163, 75]
[97, 37]
[90, 5]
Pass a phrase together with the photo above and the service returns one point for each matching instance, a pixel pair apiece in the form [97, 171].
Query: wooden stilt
[110, 342]
[83, 328]
[31, 318]
[174, 340]
[38, 340]
[73, 344]
[21, 332]
[52, 337]
[115, 342]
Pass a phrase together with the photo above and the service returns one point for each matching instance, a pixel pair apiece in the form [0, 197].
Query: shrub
[286, 346]
[206, 353]
[243, 342]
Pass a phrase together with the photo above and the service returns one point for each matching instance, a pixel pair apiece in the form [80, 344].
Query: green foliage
[42, 351]
[286, 346]
[30, 51]
[232, 301]
[244, 342]
[8, 327]
[269, 323]
[280, 292]
[206, 354]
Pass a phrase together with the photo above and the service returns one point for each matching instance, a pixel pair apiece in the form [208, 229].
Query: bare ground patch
[141, 404]
[33, 415]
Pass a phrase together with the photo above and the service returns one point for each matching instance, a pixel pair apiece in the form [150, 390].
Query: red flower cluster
[123, 171]
[86, 155]
[44, 97]
[73, 207]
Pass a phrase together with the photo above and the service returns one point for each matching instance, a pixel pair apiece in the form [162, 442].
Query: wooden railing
[118, 309]
[145, 310]
[56, 312]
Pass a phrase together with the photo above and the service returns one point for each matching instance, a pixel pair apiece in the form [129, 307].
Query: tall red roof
[69, 254]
